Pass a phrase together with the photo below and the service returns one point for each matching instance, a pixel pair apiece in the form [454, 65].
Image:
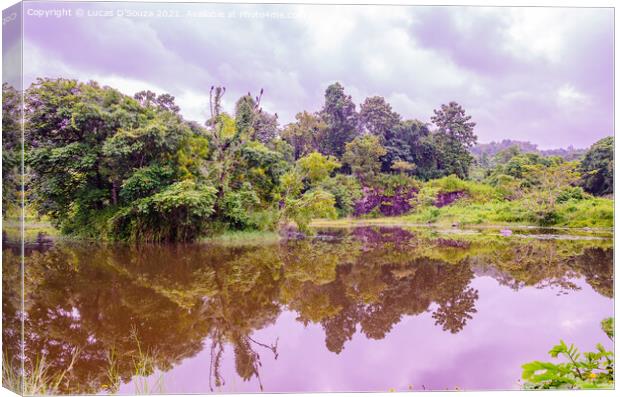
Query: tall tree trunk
[114, 192]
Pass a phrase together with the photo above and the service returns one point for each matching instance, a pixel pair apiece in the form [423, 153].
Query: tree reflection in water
[183, 299]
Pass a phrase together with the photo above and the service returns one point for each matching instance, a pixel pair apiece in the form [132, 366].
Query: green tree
[342, 120]
[307, 134]
[363, 155]
[412, 142]
[377, 117]
[11, 146]
[94, 153]
[315, 203]
[164, 102]
[597, 168]
[316, 167]
[455, 135]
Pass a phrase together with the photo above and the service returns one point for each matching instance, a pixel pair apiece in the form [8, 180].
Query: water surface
[361, 309]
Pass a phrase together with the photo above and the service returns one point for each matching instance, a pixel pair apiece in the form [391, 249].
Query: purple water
[365, 309]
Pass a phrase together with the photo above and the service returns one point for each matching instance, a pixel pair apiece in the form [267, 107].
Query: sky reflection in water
[364, 309]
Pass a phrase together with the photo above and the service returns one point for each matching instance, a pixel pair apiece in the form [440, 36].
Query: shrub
[316, 203]
[237, 206]
[575, 193]
[178, 213]
[346, 190]
[478, 192]
[264, 220]
[145, 182]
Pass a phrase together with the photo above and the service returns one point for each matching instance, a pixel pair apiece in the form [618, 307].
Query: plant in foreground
[592, 370]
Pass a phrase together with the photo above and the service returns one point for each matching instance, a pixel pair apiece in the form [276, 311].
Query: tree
[377, 118]
[245, 112]
[307, 134]
[302, 197]
[11, 146]
[133, 148]
[316, 167]
[455, 135]
[315, 203]
[451, 121]
[163, 101]
[363, 155]
[341, 118]
[412, 142]
[597, 168]
[403, 167]
[548, 184]
[95, 154]
[265, 127]
[228, 136]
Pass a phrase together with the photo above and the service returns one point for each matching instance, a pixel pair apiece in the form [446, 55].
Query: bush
[478, 192]
[238, 205]
[316, 203]
[265, 220]
[145, 182]
[346, 190]
[178, 213]
[571, 193]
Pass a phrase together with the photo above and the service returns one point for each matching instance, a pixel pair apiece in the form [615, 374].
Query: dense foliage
[11, 147]
[598, 167]
[102, 164]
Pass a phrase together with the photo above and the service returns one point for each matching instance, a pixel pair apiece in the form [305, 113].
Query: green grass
[244, 237]
[496, 212]
[592, 213]
[588, 213]
[35, 380]
[595, 212]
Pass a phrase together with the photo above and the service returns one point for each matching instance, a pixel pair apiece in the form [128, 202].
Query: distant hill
[492, 148]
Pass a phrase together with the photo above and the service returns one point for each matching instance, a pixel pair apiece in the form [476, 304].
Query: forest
[104, 165]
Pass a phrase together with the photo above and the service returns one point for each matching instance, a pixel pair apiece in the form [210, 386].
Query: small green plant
[147, 378]
[592, 370]
[36, 378]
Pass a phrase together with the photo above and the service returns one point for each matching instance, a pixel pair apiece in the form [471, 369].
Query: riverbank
[591, 214]
[243, 237]
[595, 214]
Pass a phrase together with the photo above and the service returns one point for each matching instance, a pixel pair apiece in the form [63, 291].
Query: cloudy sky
[538, 74]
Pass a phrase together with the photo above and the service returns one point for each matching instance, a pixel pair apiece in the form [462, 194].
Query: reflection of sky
[509, 329]
[538, 74]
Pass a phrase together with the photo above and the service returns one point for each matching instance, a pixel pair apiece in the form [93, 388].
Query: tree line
[103, 164]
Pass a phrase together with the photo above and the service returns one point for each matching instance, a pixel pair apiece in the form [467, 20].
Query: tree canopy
[103, 164]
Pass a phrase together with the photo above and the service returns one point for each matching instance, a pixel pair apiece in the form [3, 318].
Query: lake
[352, 309]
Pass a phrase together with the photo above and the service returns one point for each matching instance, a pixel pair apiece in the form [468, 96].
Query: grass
[37, 380]
[589, 213]
[144, 367]
[40, 380]
[146, 378]
[596, 212]
[244, 237]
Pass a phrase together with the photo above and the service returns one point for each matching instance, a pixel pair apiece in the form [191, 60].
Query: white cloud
[569, 96]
